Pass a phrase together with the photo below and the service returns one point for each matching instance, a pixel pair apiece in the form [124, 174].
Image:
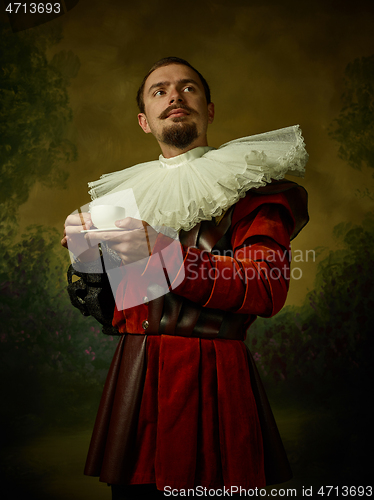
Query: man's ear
[143, 122]
[210, 113]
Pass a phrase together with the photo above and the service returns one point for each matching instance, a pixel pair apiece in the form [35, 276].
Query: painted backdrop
[68, 115]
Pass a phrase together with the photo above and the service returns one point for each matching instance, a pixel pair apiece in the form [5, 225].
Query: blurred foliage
[318, 357]
[34, 113]
[329, 337]
[353, 129]
[53, 359]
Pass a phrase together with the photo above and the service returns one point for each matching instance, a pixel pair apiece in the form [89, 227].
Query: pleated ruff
[196, 423]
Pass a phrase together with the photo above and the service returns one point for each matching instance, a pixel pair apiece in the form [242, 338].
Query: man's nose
[176, 96]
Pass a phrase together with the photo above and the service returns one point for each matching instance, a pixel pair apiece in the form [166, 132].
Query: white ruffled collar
[178, 161]
[202, 183]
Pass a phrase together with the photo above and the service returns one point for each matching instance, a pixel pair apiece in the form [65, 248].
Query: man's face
[176, 111]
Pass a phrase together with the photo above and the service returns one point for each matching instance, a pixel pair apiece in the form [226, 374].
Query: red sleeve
[253, 278]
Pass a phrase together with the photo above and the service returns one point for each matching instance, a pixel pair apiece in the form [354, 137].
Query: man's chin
[180, 135]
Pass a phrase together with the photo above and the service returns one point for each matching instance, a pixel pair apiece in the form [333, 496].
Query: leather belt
[171, 314]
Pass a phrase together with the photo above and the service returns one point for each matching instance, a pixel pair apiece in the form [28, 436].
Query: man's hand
[75, 241]
[133, 243]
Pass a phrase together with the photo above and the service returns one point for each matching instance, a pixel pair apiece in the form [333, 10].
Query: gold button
[145, 324]
[145, 300]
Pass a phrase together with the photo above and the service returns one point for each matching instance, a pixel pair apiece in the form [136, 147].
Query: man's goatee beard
[180, 136]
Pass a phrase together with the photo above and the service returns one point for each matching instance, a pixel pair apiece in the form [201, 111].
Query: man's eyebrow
[165, 84]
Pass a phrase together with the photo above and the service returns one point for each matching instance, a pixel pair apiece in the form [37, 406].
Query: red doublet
[197, 420]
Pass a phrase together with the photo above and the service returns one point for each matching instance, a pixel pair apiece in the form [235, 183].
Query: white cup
[105, 216]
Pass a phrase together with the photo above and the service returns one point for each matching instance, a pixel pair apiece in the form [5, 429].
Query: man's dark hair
[165, 62]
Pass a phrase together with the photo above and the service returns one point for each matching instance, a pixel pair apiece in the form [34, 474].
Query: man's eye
[159, 92]
[188, 89]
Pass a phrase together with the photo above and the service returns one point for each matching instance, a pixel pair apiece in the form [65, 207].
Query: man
[183, 406]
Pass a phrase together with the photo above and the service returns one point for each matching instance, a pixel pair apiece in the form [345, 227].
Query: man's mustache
[165, 113]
